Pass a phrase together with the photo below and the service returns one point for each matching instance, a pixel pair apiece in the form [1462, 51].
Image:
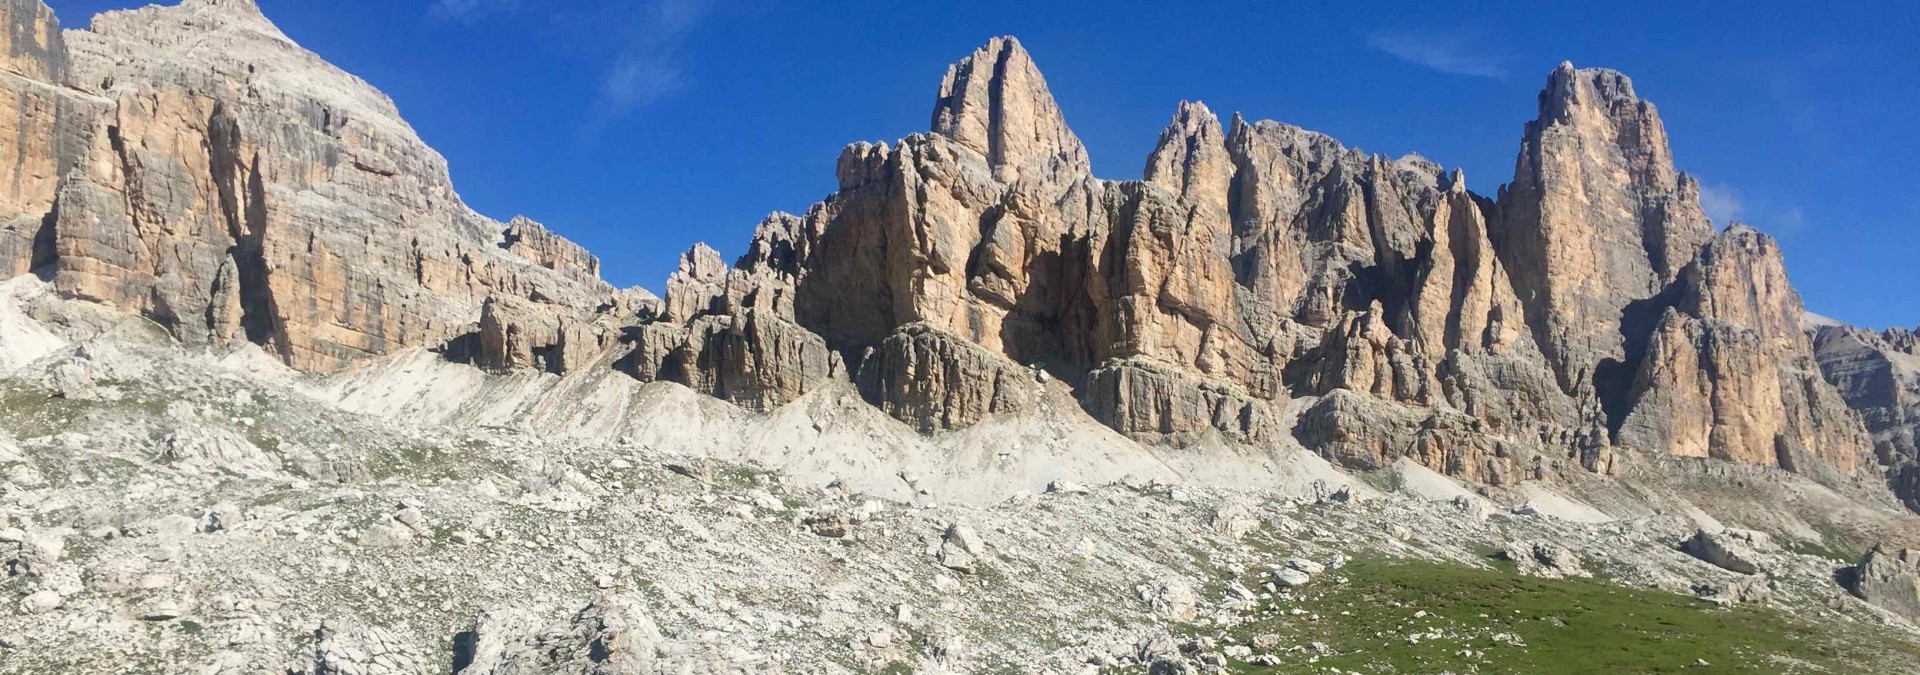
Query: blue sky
[638, 127]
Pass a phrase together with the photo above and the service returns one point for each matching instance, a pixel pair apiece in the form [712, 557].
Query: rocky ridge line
[192, 165]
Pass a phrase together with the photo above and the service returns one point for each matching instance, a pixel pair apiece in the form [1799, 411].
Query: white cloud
[1723, 203]
[648, 69]
[640, 40]
[468, 11]
[1726, 205]
[1451, 52]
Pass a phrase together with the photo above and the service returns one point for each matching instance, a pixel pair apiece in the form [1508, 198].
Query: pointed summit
[1597, 219]
[996, 102]
[1191, 158]
[1569, 87]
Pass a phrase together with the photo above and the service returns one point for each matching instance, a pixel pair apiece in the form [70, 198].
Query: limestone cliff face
[1258, 261]
[1878, 373]
[1596, 221]
[1729, 373]
[192, 165]
[50, 125]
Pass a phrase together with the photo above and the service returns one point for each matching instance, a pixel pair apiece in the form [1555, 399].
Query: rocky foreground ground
[176, 512]
[274, 399]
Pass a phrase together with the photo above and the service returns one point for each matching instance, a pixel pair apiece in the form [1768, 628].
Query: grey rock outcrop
[1733, 550]
[611, 634]
[936, 381]
[1878, 374]
[1890, 579]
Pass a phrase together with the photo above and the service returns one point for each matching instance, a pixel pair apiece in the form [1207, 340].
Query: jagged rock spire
[1596, 218]
[996, 102]
[1191, 158]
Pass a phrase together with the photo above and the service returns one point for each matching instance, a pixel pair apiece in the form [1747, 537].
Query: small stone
[1066, 487]
[411, 517]
[223, 517]
[164, 609]
[766, 501]
[965, 538]
[40, 602]
[1287, 577]
[386, 536]
[956, 558]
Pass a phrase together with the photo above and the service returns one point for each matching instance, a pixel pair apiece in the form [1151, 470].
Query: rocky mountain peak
[996, 103]
[1569, 88]
[1192, 154]
[973, 272]
[1596, 219]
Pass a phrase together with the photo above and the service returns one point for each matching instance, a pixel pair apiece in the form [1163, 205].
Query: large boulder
[1731, 549]
[1890, 579]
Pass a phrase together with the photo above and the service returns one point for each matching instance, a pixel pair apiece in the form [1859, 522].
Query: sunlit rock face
[193, 166]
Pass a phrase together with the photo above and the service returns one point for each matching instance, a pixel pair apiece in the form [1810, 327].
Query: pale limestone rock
[1545, 559]
[211, 175]
[697, 285]
[1731, 549]
[1729, 374]
[536, 244]
[1359, 353]
[754, 359]
[1363, 432]
[516, 334]
[996, 104]
[40, 602]
[1148, 400]
[194, 166]
[1596, 220]
[937, 381]
[1890, 579]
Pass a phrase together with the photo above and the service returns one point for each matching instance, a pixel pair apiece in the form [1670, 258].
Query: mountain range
[190, 171]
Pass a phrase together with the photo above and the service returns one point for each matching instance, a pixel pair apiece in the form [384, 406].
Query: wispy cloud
[1723, 203]
[1448, 51]
[468, 11]
[640, 40]
[649, 68]
[1726, 204]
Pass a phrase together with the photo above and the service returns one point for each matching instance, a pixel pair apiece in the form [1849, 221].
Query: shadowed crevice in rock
[243, 208]
[1615, 378]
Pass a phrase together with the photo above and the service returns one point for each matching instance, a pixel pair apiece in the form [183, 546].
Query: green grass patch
[1563, 626]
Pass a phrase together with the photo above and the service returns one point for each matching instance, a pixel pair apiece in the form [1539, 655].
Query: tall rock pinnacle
[1596, 219]
[1729, 374]
[995, 102]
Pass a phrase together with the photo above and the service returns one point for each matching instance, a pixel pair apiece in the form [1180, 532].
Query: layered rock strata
[192, 165]
[1499, 340]
[1878, 373]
